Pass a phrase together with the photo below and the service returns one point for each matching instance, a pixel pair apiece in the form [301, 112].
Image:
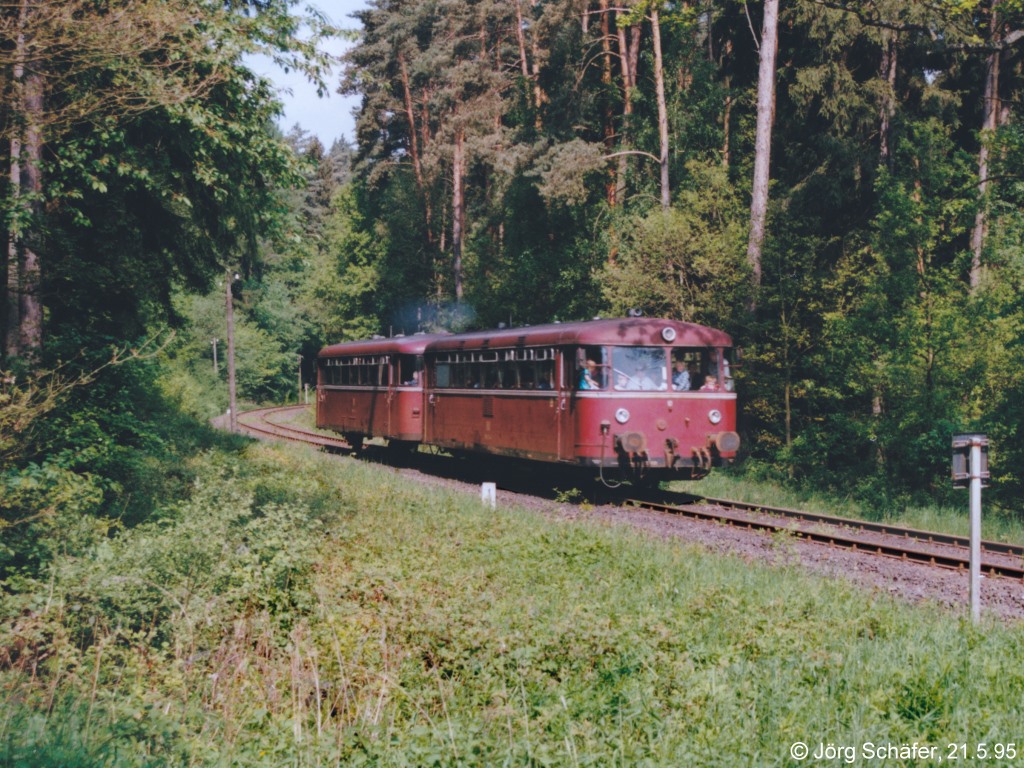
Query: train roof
[394, 345]
[632, 331]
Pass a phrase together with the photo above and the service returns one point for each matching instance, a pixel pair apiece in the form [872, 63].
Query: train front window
[701, 368]
[689, 367]
[639, 368]
[719, 369]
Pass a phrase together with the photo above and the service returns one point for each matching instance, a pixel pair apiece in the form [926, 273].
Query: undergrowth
[301, 610]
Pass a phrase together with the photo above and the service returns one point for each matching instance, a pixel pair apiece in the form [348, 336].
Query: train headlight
[668, 334]
[714, 415]
[622, 415]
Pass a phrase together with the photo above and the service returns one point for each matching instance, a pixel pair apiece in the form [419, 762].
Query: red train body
[648, 397]
[373, 389]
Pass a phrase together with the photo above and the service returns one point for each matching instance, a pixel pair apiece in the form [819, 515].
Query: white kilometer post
[488, 495]
[975, 530]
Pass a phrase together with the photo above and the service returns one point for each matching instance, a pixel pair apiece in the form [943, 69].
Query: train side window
[591, 368]
[545, 374]
[410, 370]
[527, 375]
[443, 374]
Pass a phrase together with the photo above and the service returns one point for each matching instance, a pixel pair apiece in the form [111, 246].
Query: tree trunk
[414, 149]
[988, 126]
[659, 86]
[521, 40]
[888, 108]
[31, 270]
[12, 342]
[763, 144]
[727, 107]
[458, 209]
[24, 307]
[628, 84]
[539, 97]
[611, 185]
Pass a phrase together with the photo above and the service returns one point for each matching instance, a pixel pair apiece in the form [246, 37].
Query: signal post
[970, 470]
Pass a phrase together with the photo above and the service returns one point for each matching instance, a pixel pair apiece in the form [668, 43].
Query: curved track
[260, 423]
[908, 544]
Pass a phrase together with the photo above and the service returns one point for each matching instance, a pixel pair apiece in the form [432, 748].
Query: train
[633, 399]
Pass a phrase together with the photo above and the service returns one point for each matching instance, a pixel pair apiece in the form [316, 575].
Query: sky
[329, 118]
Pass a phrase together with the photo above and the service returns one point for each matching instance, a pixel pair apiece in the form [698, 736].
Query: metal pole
[214, 343]
[229, 308]
[298, 398]
[975, 530]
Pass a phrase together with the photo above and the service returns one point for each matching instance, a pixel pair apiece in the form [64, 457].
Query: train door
[565, 405]
[393, 415]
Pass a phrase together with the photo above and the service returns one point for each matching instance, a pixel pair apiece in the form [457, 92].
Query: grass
[300, 610]
[997, 525]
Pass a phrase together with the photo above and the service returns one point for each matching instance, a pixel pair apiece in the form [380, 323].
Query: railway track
[907, 544]
[261, 423]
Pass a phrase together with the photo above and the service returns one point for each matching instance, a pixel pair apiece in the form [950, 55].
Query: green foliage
[344, 280]
[684, 263]
[354, 619]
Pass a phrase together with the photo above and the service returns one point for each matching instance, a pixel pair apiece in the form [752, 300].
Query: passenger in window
[680, 377]
[589, 376]
[710, 384]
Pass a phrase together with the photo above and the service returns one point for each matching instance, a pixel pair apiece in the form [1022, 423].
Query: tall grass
[299, 610]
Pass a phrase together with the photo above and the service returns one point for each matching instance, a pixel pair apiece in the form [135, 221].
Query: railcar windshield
[640, 368]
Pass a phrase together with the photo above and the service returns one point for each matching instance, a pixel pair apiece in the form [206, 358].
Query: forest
[836, 184]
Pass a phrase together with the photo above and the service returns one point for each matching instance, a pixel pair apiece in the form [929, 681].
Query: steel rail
[834, 538]
[264, 425]
[932, 537]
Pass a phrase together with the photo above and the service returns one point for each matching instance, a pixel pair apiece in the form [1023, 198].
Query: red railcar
[643, 395]
[648, 397]
[373, 388]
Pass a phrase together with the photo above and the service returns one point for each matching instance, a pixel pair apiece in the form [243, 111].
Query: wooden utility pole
[229, 311]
